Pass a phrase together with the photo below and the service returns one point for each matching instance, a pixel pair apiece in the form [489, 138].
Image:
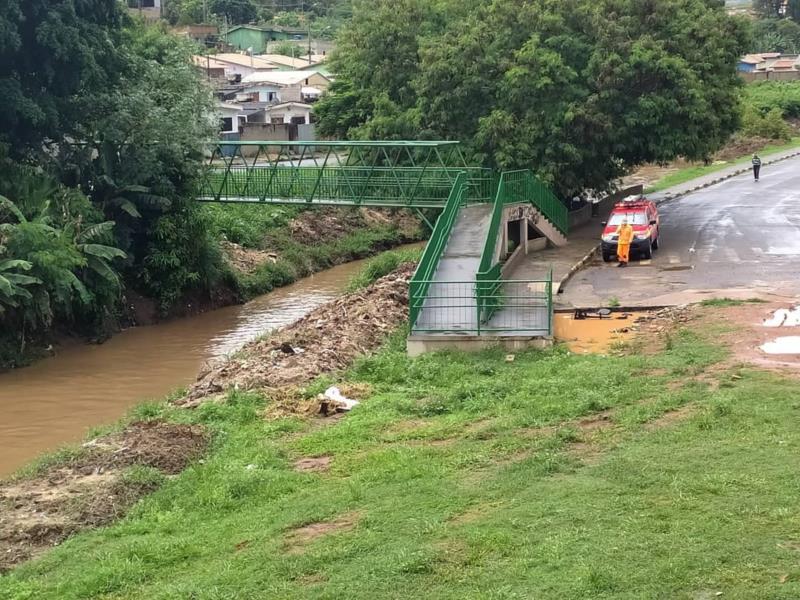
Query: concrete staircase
[455, 277]
[547, 229]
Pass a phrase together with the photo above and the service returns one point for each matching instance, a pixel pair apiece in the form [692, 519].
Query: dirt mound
[91, 490]
[327, 339]
[246, 260]
[330, 224]
[741, 146]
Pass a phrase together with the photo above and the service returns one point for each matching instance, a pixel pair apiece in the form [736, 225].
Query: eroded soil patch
[91, 490]
[297, 539]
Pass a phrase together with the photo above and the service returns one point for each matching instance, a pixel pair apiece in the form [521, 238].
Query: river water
[58, 399]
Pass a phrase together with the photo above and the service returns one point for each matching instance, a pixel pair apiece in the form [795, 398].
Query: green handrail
[426, 270]
[523, 186]
[514, 187]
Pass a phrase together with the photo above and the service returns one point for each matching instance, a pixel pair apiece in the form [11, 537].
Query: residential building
[293, 86]
[769, 66]
[232, 118]
[287, 63]
[212, 68]
[295, 113]
[255, 39]
[149, 9]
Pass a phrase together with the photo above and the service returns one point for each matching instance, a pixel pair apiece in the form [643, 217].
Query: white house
[295, 86]
[296, 113]
[232, 117]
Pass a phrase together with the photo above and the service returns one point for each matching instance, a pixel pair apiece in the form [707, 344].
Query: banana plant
[99, 256]
[13, 283]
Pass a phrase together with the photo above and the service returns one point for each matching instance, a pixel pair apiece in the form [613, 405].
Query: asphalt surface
[738, 239]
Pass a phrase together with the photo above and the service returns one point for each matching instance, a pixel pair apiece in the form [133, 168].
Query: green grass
[689, 173]
[297, 260]
[382, 265]
[724, 302]
[247, 225]
[457, 474]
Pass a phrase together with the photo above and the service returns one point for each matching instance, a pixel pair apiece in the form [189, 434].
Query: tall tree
[53, 52]
[578, 90]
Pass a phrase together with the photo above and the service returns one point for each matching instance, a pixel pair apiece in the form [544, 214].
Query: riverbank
[55, 401]
[441, 482]
[265, 248]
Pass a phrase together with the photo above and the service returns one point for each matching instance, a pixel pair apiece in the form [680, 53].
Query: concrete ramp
[453, 285]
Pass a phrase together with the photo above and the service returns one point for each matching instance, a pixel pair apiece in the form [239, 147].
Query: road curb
[575, 268]
[736, 173]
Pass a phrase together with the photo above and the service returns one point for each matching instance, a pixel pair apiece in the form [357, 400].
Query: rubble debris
[332, 337]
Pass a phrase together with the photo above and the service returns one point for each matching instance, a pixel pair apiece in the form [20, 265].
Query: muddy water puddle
[594, 335]
[58, 399]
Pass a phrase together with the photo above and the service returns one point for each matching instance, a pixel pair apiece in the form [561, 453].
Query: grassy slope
[690, 173]
[266, 227]
[459, 474]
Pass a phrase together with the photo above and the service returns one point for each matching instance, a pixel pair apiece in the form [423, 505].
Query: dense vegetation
[467, 476]
[323, 16]
[577, 89]
[767, 108]
[100, 143]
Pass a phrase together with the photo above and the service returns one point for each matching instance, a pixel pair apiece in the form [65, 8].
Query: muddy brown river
[58, 399]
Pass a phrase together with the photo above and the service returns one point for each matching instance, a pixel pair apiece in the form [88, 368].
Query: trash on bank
[333, 399]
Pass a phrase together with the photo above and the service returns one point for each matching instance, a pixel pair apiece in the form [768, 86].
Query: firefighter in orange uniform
[624, 240]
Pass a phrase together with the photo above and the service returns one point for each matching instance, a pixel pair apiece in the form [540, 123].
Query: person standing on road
[756, 166]
[624, 240]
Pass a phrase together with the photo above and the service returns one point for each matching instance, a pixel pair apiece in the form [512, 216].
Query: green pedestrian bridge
[460, 293]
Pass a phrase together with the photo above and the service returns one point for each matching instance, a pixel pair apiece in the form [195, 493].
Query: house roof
[243, 60]
[289, 104]
[206, 62]
[281, 77]
[786, 63]
[288, 61]
[229, 106]
[751, 59]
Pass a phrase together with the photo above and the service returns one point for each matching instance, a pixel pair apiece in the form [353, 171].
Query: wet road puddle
[783, 345]
[593, 335]
[677, 268]
[788, 345]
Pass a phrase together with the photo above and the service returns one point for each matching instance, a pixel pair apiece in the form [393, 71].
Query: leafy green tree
[774, 35]
[235, 11]
[13, 283]
[54, 53]
[578, 90]
[287, 49]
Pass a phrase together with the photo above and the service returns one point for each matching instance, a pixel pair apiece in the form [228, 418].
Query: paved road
[737, 239]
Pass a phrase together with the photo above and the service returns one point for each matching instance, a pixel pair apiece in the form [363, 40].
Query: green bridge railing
[456, 307]
[402, 174]
[514, 187]
[391, 174]
[429, 263]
